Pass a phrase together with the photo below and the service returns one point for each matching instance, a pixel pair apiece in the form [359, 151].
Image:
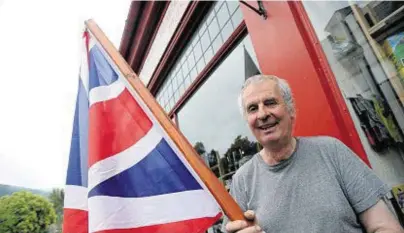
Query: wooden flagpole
[226, 202]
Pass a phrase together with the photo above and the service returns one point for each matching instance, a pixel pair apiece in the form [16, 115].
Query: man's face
[266, 113]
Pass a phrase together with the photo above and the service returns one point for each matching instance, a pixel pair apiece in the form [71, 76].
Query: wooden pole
[226, 202]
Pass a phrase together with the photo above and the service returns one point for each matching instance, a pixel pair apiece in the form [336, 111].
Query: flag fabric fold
[125, 173]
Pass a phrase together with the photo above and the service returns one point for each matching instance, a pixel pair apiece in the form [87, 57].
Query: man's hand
[241, 226]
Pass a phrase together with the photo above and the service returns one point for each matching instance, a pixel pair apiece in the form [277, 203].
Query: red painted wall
[284, 47]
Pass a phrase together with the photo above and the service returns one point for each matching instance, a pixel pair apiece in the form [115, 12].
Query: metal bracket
[261, 10]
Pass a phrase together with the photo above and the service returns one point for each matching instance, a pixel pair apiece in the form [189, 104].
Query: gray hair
[283, 86]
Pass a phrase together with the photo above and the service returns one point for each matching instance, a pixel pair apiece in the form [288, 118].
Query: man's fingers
[252, 229]
[236, 225]
[249, 214]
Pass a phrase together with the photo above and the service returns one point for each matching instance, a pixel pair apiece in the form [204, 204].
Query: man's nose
[262, 114]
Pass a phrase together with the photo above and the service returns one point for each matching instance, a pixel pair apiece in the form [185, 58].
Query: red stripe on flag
[75, 221]
[199, 225]
[115, 125]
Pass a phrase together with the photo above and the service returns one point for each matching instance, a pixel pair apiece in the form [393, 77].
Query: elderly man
[302, 184]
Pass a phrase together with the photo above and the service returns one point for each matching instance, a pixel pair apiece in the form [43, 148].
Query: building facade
[345, 65]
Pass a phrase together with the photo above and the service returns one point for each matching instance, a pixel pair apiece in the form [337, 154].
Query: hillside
[9, 189]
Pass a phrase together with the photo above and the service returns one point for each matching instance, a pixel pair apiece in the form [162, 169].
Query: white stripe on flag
[116, 212]
[114, 165]
[103, 93]
[75, 197]
[92, 42]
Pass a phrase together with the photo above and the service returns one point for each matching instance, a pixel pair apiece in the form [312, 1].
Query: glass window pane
[217, 43]
[220, 134]
[202, 28]
[237, 17]
[176, 96]
[171, 89]
[203, 45]
[197, 51]
[172, 103]
[223, 16]
[178, 79]
[211, 15]
[182, 88]
[187, 82]
[185, 68]
[218, 5]
[200, 65]
[195, 40]
[191, 60]
[208, 55]
[232, 5]
[205, 41]
[227, 30]
[213, 28]
[194, 73]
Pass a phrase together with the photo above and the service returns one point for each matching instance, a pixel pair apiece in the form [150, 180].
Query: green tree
[200, 148]
[241, 147]
[24, 212]
[57, 198]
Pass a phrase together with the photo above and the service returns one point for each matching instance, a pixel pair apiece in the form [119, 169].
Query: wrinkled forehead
[259, 91]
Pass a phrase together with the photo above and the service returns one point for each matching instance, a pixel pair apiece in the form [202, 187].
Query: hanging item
[386, 117]
[376, 133]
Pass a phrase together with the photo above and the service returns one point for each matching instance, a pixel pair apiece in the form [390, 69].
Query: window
[214, 30]
[211, 119]
[361, 42]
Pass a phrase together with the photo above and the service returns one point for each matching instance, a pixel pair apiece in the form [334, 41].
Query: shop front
[344, 62]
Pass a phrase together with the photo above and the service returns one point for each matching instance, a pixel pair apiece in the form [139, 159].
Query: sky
[39, 64]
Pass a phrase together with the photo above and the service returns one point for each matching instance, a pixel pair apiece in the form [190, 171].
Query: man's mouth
[268, 126]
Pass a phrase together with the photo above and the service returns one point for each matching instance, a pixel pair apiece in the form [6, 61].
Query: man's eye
[270, 102]
[252, 108]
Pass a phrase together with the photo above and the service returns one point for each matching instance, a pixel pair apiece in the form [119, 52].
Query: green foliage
[57, 198]
[242, 145]
[200, 148]
[240, 148]
[24, 212]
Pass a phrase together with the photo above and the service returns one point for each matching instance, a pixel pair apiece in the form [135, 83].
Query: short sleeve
[238, 192]
[360, 184]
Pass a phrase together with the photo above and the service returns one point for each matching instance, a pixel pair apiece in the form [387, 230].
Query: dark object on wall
[373, 127]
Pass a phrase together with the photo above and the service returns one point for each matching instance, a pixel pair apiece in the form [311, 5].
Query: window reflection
[211, 120]
[213, 31]
[363, 43]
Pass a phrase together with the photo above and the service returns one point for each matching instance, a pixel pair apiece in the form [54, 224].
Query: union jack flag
[125, 173]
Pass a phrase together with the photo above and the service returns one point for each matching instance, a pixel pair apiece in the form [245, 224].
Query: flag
[125, 173]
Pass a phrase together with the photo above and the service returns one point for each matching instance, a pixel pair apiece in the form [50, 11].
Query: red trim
[142, 25]
[134, 15]
[327, 79]
[153, 37]
[190, 21]
[86, 36]
[226, 48]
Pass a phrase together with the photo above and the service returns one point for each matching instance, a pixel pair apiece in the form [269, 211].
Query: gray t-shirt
[322, 187]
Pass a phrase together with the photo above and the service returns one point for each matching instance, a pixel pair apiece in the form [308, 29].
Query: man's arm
[379, 219]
